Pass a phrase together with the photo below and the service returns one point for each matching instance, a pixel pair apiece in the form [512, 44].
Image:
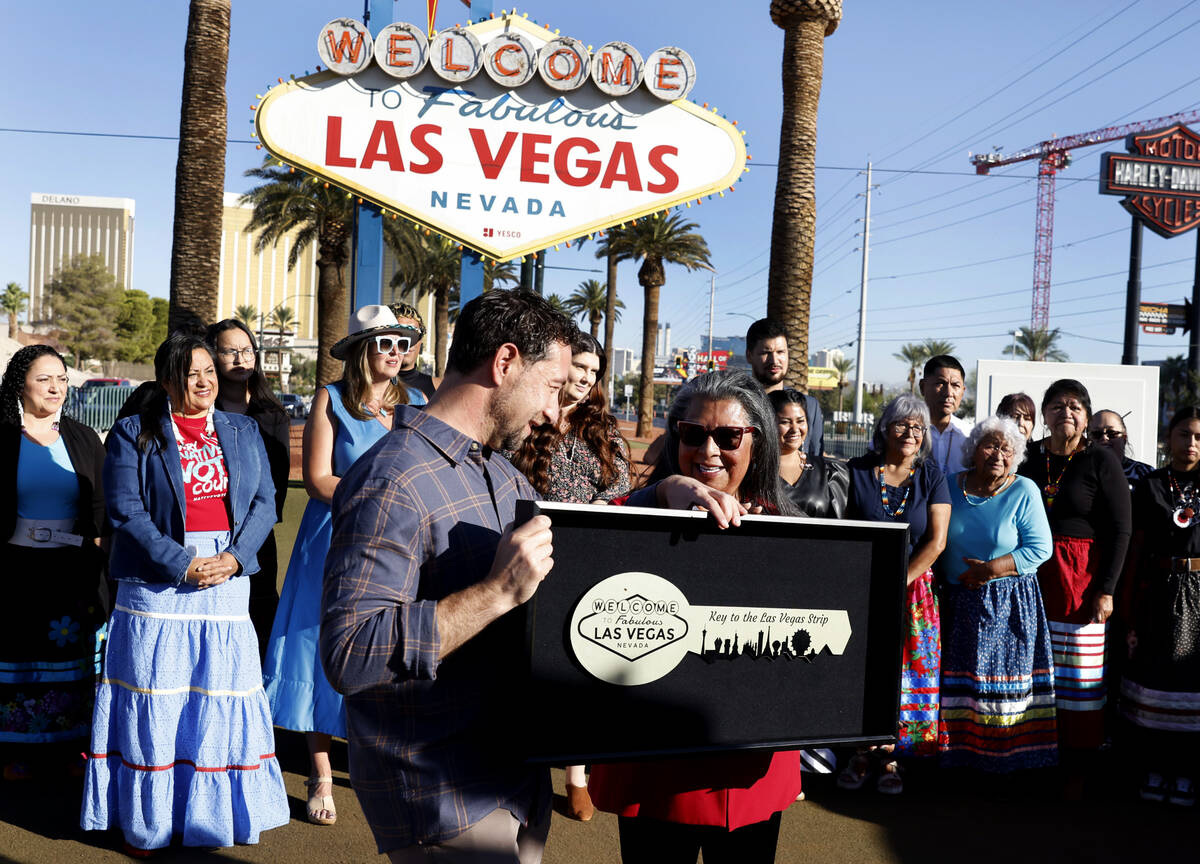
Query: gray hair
[1006, 428]
[901, 408]
[761, 485]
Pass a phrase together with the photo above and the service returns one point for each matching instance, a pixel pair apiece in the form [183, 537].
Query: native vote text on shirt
[204, 473]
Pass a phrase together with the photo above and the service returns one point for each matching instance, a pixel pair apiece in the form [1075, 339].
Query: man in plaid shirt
[423, 566]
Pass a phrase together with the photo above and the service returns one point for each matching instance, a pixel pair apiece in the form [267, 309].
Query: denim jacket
[146, 502]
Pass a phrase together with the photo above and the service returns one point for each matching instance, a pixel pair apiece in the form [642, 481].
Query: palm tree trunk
[610, 310]
[649, 333]
[331, 317]
[200, 168]
[789, 285]
[594, 324]
[441, 315]
[12, 325]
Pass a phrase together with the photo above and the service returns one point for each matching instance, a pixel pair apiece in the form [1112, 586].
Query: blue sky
[908, 90]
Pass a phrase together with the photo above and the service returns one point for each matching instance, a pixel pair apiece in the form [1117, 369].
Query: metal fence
[847, 440]
[96, 406]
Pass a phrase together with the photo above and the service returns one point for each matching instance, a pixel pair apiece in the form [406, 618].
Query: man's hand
[685, 493]
[523, 558]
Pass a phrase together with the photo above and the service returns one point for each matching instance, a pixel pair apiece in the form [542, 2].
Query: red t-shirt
[205, 481]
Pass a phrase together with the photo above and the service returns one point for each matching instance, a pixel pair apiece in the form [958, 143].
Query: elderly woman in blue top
[181, 735]
[898, 481]
[997, 668]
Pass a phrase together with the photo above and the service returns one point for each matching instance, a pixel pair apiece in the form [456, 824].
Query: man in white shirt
[942, 386]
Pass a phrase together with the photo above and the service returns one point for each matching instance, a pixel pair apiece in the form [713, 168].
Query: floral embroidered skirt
[997, 677]
[922, 664]
[49, 644]
[182, 742]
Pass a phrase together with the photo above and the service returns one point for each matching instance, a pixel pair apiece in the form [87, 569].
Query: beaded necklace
[1050, 490]
[1186, 505]
[883, 494]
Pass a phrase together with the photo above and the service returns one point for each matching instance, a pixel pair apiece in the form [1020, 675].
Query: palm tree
[13, 301]
[282, 320]
[934, 347]
[843, 365]
[805, 25]
[247, 314]
[200, 167]
[656, 240]
[590, 301]
[606, 251]
[556, 303]
[1037, 345]
[914, 355]
[432, 263]
[289, 200]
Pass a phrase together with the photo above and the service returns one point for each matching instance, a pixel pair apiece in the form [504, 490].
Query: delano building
[262, 280]
[65, 227]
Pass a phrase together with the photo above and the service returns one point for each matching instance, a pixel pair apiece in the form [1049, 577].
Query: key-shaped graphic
[634, 628]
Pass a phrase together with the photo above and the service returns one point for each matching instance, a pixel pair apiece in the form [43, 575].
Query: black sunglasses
[725, 437]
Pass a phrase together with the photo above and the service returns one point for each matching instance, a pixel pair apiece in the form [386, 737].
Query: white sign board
[1131, 391]
[504, 169]
[628, 390]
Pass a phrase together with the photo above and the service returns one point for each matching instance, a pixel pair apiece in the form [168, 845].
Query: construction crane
[1053, 156]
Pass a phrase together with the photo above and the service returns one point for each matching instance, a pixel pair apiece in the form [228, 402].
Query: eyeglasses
[1115, 434]
[234, 353]
[992, 447]
[725, 437]
[384, 344]
[903, 430]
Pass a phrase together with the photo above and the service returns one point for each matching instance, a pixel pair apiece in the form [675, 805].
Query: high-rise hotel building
[65, 227]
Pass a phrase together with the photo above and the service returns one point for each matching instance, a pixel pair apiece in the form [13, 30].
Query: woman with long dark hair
[721, 444]
[582, 460]
[51, 519]
[182, 742]
[242, 388]
[817, 486]
[1087, 502]
[347, 418]
[1160, 693]
[898, 482]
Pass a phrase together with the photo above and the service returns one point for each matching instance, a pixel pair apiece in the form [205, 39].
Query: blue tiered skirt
[182, 742]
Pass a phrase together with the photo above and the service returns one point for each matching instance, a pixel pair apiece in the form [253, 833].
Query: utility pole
[1133, 295]
[712, 290]
[859, 372]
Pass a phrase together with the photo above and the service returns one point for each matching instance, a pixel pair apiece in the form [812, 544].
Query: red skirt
[728, 791]
[1077, 642]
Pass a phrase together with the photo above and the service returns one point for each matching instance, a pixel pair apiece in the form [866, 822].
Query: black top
[1092, 502]
[822, 489]
[1153, 515]
[417, 380]
[928, 487]
[275, 428]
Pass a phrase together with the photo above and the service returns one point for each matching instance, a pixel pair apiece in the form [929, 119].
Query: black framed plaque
[658, 633]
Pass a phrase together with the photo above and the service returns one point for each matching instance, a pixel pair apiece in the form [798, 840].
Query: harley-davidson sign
[500, 134]
[1160, 177]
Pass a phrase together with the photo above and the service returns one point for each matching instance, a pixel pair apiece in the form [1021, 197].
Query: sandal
[856, 772]
[318, 804]
[1182, 793]
[890, 782]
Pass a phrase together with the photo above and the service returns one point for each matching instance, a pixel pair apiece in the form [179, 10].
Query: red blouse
[205, 480]
[729, 790]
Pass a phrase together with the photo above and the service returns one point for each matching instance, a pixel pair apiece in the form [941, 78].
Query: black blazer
[87, 457]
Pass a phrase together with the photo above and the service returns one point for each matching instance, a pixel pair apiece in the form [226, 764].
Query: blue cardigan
[146, 503]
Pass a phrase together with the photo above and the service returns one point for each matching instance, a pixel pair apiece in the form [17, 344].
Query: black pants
[264, 595]
[649, 841]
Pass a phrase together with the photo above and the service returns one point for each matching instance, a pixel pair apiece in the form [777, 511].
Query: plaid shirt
[417, 518]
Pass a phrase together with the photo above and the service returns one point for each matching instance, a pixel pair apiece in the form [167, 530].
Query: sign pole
[1194, 323]
[366, 277]
[1133, 294]
[470, 274]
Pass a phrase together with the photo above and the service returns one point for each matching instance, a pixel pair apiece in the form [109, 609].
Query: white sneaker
[1182, 793]
[1154, 789]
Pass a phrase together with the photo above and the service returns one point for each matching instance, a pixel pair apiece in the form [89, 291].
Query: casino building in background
[65, 227]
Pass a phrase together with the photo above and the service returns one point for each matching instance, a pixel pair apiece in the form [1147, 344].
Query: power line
[130, 135]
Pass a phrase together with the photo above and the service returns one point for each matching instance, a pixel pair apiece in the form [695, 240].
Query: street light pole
[860, 360]
[1016, 336]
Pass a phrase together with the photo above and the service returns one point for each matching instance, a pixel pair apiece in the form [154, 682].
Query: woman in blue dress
[347, 418]
[897, 482]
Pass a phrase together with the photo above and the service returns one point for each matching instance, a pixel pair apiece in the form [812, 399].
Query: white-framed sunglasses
[385, 342]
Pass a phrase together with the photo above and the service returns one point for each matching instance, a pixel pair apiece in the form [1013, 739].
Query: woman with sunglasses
[897, 482]
[817, 486]
[722, 450]
[242, 388]
[347, 418]
[1160, 693]
[582, 460]
[1087, 502]
[1107, 428]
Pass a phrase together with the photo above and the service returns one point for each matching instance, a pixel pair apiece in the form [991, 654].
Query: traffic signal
[712, 364]
[685, 364]
[679, 364]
